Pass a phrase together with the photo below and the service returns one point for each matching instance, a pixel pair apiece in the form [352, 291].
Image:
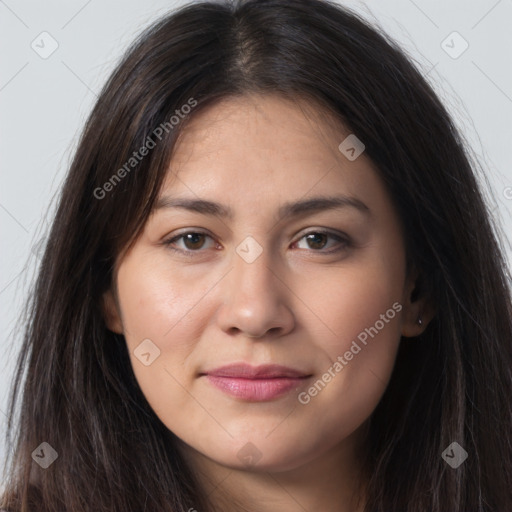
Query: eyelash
[188, 252]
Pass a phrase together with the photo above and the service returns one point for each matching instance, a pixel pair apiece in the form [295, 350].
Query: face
[272, 251]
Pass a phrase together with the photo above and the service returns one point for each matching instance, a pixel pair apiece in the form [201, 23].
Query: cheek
[352, 298]
[167, 308]
[362, 310]
[159, 304]
[350, 382]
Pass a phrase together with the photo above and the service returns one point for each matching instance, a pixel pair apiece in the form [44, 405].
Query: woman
[271, 283]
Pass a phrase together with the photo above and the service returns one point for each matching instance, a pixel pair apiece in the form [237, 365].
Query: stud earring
[420, 321]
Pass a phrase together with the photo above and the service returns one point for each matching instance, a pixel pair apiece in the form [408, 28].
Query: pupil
[189, 238]
[316, 235]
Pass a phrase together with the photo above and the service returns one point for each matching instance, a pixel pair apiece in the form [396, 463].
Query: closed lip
[255, 383]
[247, 371]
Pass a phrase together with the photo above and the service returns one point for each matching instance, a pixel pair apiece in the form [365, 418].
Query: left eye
[194, 240]
[317, 238]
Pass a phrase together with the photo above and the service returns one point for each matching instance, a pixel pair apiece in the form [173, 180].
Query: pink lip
[257, 384]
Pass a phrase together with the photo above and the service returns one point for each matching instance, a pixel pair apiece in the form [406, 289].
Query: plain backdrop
[45, 99]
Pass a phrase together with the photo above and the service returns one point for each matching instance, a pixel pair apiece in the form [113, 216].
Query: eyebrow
[306, 206]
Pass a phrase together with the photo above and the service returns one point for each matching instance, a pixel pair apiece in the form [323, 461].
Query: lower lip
[255, 390]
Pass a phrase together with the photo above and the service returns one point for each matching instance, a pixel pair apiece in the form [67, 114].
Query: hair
[452, 383]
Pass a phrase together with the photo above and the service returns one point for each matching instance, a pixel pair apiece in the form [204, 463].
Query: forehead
[265, 122]
[262, 142]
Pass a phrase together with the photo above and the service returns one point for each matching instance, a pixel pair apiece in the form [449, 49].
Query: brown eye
[318, 240]
[192, 241]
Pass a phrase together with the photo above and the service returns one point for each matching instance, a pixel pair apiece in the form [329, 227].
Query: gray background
[44, 103]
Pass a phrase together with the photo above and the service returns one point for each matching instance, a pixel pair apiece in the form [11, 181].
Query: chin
[261, 455]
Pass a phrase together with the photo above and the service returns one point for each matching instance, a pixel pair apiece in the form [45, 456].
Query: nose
[256, 300]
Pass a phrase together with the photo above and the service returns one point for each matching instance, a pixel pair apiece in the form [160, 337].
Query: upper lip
[267, 371]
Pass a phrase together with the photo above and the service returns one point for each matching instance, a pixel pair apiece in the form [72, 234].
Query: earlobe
[418, 310]
[111, 313]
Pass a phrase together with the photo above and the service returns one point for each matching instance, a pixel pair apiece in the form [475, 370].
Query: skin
[295, 304]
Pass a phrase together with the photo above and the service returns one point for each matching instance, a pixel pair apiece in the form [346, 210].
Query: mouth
[256, 383]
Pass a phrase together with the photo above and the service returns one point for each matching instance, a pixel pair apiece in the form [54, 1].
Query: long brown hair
[454, 384]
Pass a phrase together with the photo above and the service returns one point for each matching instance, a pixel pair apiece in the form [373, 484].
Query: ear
[111, 312]
[418, 309]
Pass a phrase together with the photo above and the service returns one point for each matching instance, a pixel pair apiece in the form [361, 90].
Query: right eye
[192, 241]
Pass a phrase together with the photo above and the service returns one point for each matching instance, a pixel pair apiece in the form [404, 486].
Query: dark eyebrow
[312, 205]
